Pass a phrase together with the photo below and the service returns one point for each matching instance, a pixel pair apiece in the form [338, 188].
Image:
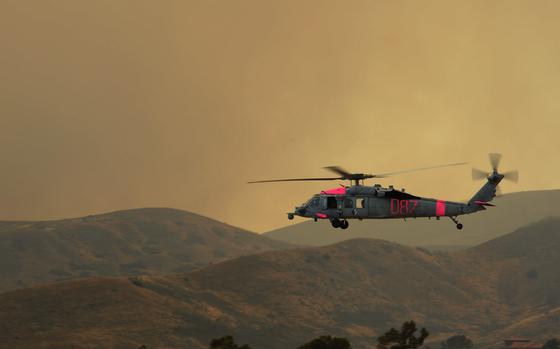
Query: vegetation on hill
[552, 343]
[392, 339]
[404, 339]
[226, 342]
[327, 342]
[457, 342]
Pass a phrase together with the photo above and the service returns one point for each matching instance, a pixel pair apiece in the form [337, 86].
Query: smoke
[111, 105]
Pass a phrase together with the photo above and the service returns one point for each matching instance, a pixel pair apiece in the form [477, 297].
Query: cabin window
[360, 203]
[331, 202]
[348, 203]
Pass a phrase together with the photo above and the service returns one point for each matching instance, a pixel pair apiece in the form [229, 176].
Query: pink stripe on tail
[440, 208]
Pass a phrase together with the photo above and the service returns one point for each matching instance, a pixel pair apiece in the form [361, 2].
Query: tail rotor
[478, 174]
[495, 177]
[512, 176]
[495, 159]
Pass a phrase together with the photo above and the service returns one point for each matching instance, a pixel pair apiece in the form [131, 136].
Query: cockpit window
[348, 203]
[313, 202]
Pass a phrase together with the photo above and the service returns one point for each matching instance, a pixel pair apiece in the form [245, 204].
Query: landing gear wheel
[459, 225]
[344, 224]
[336, 223]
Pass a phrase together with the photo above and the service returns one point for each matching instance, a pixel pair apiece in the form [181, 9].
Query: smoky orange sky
[108, 105]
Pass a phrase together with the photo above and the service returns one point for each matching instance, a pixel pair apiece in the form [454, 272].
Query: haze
[109, 105]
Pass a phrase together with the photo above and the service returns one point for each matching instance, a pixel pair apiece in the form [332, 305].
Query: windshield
[313, 202]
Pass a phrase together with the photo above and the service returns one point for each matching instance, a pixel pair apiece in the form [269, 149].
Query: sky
[108, 105]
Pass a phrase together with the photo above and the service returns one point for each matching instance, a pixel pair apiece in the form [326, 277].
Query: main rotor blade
[381, 175]
[339, 170]
[478, 174]
[297, 179]
[495, 160]
[511, 176]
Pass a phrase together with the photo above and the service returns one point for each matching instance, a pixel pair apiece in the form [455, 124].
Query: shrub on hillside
[553, 343]
[327, 342]
[226, 342]
[457, 342]
[403, 339]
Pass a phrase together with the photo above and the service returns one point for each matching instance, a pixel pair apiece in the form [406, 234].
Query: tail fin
[488, 190]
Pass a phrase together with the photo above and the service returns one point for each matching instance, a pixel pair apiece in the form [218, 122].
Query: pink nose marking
[335, 191]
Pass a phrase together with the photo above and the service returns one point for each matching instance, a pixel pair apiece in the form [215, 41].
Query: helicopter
[359, 201]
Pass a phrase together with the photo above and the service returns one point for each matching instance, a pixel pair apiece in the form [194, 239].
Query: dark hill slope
[279, 299]
[272, 300]
[526, 264]
[513, 211]
[141, 241]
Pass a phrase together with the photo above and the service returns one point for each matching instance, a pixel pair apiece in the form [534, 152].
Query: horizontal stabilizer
[483, 203]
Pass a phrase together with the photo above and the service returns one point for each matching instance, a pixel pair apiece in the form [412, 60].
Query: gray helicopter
[359, 201]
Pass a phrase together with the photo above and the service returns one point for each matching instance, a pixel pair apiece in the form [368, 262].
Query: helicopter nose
[301, 210]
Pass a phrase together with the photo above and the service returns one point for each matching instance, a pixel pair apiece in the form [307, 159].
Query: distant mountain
[512, 211]
[133, 242]
[279, 299]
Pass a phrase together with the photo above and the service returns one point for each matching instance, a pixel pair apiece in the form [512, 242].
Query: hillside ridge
[120, 243]
[356, 289]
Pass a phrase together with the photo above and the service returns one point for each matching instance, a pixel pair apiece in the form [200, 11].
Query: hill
[513, 211]
[525, 265]
[279, 299]
[123, 243]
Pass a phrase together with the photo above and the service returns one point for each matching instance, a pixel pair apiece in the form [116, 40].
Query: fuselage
[364, 202]
[376, 202]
